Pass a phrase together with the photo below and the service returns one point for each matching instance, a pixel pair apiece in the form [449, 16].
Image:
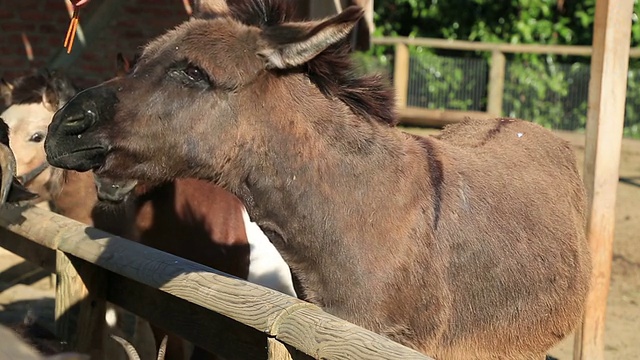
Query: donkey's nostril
[74, 119]
[78, 122]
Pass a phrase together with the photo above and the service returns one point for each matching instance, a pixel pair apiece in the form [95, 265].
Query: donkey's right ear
[293, 44]
[6, 88]
[209, 8]
[123, 66]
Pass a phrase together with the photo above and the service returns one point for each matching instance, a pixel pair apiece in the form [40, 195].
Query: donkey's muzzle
[72, 140]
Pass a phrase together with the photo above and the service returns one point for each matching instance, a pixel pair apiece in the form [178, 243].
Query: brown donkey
[190, 218]
[470, 244]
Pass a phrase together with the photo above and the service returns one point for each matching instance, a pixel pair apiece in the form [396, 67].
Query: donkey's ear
[209, 8]
[293, 44]
[122, 65]
[6, 88]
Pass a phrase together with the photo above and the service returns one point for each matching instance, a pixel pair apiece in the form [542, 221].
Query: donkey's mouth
[113, 191]
[80, 159]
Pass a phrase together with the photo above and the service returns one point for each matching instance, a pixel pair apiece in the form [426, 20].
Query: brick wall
[44, 22]
[131, 25]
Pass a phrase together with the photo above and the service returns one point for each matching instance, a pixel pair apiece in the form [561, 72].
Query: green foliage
[632, 110]
[445, 82]
[536, 86]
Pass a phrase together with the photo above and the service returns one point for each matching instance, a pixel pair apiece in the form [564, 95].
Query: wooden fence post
[79, 307]
[401, 74]
[496, 83]
[605, 120]
[277, 350]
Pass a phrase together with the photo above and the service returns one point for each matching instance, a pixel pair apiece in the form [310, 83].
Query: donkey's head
[201, 93]
[32, 101]
[111, 191]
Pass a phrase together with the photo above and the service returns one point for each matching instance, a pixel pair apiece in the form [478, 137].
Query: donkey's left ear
[123, 66]
[293, 44]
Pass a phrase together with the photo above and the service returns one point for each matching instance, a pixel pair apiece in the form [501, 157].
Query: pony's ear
[58, 91]
[209, 8]
[6, 88]
[51, 96]
[293, 44]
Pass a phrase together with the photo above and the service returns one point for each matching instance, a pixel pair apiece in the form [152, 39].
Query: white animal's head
[32, 100]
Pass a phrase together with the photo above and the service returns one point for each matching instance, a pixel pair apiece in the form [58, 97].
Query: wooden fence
[497, 69]
[215, 311]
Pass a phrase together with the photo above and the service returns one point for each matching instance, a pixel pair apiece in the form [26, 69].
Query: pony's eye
[37, 137]
[195, 73]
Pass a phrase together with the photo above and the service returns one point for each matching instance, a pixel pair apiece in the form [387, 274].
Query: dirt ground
[27, 292]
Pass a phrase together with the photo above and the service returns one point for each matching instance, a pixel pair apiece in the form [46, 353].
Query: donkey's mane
[333, 71]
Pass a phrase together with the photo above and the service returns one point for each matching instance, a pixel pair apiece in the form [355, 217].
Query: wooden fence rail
[418, 116]
[213, 310]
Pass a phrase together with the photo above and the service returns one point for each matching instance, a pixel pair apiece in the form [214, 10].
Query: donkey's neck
[321, 187]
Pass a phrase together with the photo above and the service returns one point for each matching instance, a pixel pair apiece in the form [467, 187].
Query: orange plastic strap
[73, 27]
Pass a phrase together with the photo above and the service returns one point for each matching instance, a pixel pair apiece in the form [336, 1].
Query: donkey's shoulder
[480, 132]
[505, 135]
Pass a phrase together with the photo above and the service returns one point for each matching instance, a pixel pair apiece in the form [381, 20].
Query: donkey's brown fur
[470, 244]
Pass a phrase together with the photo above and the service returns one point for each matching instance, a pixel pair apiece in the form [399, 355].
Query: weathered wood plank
[331, 338]
[250, 304]
[209, 330]
[80, 306]
[437, 118]
[464, 45]
[33, 252]
[255, 306]
[496, 83]
[277, 350]
[401, 75]
[12, 216]
[605, 121]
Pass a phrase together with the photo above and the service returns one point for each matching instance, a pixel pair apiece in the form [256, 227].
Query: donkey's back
[512, 221]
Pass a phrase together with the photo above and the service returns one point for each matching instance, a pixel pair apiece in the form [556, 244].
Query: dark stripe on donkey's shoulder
[436, 175]
[501, 122]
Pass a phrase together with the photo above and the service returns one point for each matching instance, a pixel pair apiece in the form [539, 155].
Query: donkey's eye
[195, 73]
[37, 137]
[189, 75]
